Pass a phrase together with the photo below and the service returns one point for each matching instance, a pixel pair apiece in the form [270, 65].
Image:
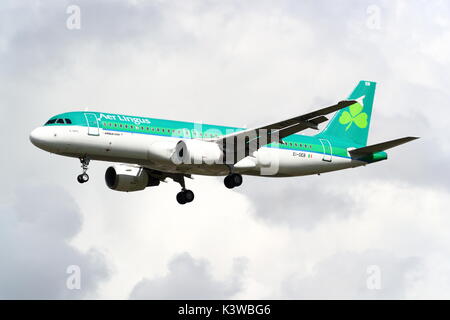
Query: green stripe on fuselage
[187, 130]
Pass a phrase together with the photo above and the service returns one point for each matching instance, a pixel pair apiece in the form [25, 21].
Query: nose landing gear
[84, 177]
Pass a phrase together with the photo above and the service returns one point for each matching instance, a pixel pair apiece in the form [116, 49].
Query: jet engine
[129, 178]
[196, 152]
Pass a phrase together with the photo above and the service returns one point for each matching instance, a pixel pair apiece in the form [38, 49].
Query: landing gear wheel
[83, 178]
[228, 181]
[181, 197]
[233, 180]
[185, 195]
[237, 179]
[188, 195]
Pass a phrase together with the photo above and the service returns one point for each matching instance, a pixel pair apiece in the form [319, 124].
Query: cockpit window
[59, 121]
[51, 121]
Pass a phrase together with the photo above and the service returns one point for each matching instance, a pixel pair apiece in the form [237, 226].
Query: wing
[239, 145]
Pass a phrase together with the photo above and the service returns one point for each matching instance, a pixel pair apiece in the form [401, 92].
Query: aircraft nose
[39, 137]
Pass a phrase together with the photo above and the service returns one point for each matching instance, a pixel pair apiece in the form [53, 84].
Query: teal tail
[351, 125]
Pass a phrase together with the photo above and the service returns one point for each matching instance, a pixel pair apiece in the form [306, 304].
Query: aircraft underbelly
[283, 164]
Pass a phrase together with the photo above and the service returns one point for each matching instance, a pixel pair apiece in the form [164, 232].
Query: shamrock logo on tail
[354, 116]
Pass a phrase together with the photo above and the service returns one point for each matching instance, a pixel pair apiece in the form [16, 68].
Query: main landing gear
[185, 195]
[233, 180]
[83, 178]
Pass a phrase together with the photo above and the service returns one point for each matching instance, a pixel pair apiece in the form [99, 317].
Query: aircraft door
[327, 150]
[93, 125]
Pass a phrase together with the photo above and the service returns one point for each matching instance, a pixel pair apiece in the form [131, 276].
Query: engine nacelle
[197, 152]
[128, 178]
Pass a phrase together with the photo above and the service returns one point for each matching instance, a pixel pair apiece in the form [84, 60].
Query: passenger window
[60, 121]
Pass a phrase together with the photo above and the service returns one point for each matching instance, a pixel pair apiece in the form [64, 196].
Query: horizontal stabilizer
[380, 146]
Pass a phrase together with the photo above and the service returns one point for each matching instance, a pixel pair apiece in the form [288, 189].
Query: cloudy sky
[234, 63]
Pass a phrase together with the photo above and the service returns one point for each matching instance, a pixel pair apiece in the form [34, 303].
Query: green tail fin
[351, 124]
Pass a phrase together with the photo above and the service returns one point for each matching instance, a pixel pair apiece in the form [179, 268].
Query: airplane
[147, 151]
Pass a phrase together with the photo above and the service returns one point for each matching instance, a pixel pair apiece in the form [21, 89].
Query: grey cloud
[190, 278]
[346, 276]
[36, 38]
[37, 42]
[57, 216]
[301, 202]
[35, 252]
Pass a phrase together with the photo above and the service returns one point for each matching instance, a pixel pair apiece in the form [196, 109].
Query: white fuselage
[154, 151]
